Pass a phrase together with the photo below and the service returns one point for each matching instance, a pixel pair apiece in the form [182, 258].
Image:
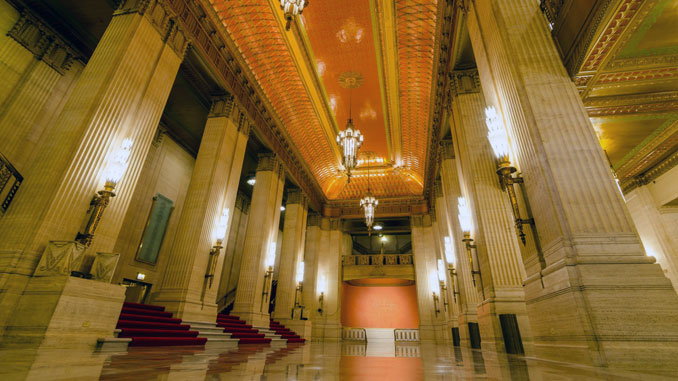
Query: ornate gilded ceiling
[391, 43]
[624, 62]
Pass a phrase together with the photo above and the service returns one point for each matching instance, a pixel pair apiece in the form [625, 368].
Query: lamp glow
[118, 165]
[220, 232]
[441, 270]
[369, 204]
[300, 272]
[449, 251]
[270, 257]
[378, 227]
[350, 140]
[465, 218]
[322, 285]
[497, 134]
[251, 181]
[384, 239]
[433, 282]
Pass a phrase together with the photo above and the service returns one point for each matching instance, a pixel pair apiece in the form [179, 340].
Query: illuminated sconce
[322, 289]
[443, 287]
[220, 236]
[451, 262]
[251, 181]
[114, 171]
[300, 287]
[435, 287]
[466, 222]
[141, 276]
[269, 262]
[500, 145]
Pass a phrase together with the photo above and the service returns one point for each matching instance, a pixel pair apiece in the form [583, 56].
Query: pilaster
[327, 316]
[253, 292]
[596, 286]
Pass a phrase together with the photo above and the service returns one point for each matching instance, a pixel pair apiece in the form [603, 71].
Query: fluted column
[311, 253]
[498, 250]
[446, 300]
[327, 323]
[291, 254]
[120, 94]
[595, 287]
[233, 255]
[185, 289]
[468, 294]
[431, 313]
[450, 279]
[262, 231]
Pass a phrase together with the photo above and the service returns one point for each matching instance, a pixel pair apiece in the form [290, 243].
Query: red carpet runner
[241, 331]
[286, 333]
[151, 326]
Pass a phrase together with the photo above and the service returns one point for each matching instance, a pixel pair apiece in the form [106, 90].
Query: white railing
[354, 334]
[378, 259]
[407, 350]
[354, 349]
[406, 335]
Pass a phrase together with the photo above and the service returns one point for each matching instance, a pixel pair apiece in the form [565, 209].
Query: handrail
[402, 335]
[354, 334]
[379, 259]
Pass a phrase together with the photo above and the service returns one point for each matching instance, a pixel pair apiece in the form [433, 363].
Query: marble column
[594, 296]
[498, 249]
[251, 304]
[446, 300]
[120, 94]
[291, 254]
[450, 279]
[431, 313]
[233, 255]
[185, 289]
[468, 294]
[327, 323]
[311, 253]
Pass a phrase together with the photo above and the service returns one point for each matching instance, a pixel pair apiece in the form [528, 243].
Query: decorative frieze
[10, 180]
[296, 196]
[222, 106]
[43, 42]
[446, 149]
[464, 82]
[313, 219]
[270, 162]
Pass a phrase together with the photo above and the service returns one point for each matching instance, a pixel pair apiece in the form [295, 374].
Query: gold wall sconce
[500, 145]
[451, 261]
[443, 287]
[322, 289]
[113, 173]
[269, 262]
[220, 234]
[435, 287]
[466, 222]
[300, 287]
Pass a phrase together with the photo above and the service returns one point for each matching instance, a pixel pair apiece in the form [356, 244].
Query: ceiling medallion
[350, 139]
[369, 203]
[292, 8]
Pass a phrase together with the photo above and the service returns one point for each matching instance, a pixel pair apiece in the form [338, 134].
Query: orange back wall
[379, 306]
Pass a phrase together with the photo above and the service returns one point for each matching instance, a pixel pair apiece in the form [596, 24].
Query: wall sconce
[500, 145]
[443, 287]
[114, 171]
[435, 286]
[269, 262]
[451, 261]
[466, 222]
[322, 288]
[300, 287]
[220, 235]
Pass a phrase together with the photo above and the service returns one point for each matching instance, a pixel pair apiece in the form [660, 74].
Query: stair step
[140, 332]
[166, 341]
[151, 325]
[145, 312]
[154, 319]
[143, 306]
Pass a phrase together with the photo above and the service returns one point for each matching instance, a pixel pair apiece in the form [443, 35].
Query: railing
[354, 349]
[354, 334]
[408, 350]
[10, 180]
[378, 259]
[402, 335]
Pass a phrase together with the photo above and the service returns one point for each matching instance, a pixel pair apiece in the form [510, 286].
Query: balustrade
[378, 259]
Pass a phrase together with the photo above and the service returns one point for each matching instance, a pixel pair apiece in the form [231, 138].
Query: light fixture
[282, 208]
[141, 276]
[292, 8]
[451, 262]
[435, 288]
[441, 278]
[500, 145]
[384, 239]
[466, 222]
[269, 262]
[220, 236]
[251, 181]
[350, 139]
[112, 175]
[378, 227]
[369, 204]
[300, 286]
[322, 289]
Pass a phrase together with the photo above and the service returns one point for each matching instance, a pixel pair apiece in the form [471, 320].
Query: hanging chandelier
[350, 139]
[292, 8]
[369, 203]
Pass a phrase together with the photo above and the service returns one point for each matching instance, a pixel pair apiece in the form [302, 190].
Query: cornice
[207, 37]
[651, 175]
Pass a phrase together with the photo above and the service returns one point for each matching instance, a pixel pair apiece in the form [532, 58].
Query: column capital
[421, 220]
[446, 149]
[222, 106]
[438, 187]
[270, 162]
[464, 82]
[313, 219]
[296, 196]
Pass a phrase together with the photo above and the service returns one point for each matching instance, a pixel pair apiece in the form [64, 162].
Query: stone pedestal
[251, 304]
[593, 297]
[59, 311]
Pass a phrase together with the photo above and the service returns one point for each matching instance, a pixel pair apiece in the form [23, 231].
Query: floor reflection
[312, 361]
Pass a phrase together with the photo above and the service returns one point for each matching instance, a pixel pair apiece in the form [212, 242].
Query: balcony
[364, 266]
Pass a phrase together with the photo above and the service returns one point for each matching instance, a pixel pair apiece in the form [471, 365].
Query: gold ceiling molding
[649, 62]
[652, 174]
[388, 207]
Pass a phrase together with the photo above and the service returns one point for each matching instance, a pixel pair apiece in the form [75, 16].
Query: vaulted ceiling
[391, 45]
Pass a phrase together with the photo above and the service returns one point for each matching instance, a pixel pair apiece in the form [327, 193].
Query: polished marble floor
[312, 361]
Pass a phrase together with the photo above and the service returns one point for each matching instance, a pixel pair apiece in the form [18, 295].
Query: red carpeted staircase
[286, 333]
[151, 326]
[240, 330]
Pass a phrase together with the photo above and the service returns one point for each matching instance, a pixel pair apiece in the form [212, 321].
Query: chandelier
[292, 8]
[350, 139]
[369, 203]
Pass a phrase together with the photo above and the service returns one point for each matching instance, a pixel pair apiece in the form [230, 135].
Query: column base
[255, 319]
[302, 328]
[326, 331]
[463, 320]
[185, 307]
[504, 302]
[614, 311]
[61, 310]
